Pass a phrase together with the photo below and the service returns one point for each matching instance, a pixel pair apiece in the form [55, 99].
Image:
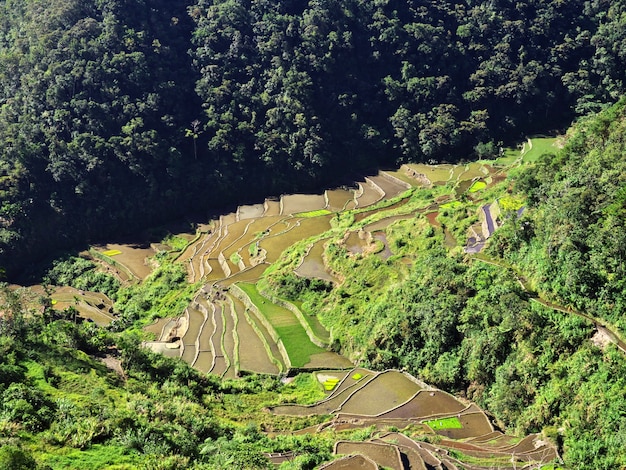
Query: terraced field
[231, 327]
[461, 436]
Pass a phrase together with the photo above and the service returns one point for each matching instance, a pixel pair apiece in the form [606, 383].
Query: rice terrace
[234, 323]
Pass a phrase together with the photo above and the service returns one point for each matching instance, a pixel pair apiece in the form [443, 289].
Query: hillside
[116, 115]
[462, 307]
[427, 269]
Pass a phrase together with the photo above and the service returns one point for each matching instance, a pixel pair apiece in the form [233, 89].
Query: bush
[14, 458]
[27, 406]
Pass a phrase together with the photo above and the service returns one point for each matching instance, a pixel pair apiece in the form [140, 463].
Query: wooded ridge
[116, 114]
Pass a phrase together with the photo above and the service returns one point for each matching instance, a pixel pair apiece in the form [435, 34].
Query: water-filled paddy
[390, 186]
[427, 403]
[157, 327]
[370, 194]
[132, 257]
[340, 199]
[328, 359]
[387, 390]
[196, 320]
[250, 211]
[355, 242]
[272, 207]
[294, 203]
[189, 352]
[214, 270]
[351, 462]
[434, 173]
[216, 340]
[204, 361]
[248, 275]
[234, 232]
[385, 455]
[276, 244]
[312, 265]
[205, 335]
[228, 341]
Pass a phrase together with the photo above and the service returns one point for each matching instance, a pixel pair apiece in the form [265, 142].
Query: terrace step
[219, 362]
[296, 203]
[189, 341]
[340, 199]
[411, 459]
[256, 230]
[274, 353]
[235, 232]
[206, 354]
[215, 272]
[253, 211]
[252, 352]
[390, 186]
[229, 340]
[297, 230]
[396, 387]
[384, 454]
[312, 265]
[251, 274]
[368, 193]
[408, 447]
[272, 207]
[332, 404]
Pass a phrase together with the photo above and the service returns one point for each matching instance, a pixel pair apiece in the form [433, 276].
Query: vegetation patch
[511, 203]
[111, 252]
[235, 258]
[288, 328]
[444, 423]
[451, 205]
[539, 146]
[329, 385]
[477, 186]
[315, 213]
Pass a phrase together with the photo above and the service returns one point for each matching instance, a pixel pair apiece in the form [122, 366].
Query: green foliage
[293, 287]
[83, 274]
[444, 423]
[14, 458]
[27, 407]
[166, 290]
[569, 245]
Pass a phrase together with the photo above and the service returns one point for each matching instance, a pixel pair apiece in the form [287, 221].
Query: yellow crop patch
[111, 252]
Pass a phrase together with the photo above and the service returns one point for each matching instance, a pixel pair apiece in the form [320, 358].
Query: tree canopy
[116, 114]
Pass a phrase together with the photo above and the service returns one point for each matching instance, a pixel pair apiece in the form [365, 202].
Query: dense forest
[115, 115]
